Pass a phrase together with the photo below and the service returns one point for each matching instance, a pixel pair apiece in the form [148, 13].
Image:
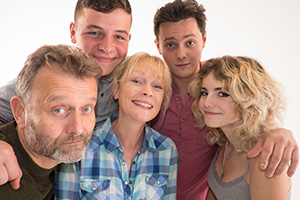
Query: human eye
[119, 37]
[58, 110]
[170, 45]
[94, 33]
[87, 109]
[135, 81]
[203, 93]
[223, 94]
[157, 86]
[189, 43]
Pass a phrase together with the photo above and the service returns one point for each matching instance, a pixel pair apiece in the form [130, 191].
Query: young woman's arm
[262, 187]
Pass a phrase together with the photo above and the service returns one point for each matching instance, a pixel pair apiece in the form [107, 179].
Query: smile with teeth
[143, 104]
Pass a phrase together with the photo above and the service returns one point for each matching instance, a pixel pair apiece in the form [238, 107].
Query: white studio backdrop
[268, 31]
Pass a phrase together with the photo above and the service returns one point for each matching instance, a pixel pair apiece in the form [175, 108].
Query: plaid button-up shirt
[103, 172]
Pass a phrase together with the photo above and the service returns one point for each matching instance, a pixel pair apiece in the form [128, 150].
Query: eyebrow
[173, 38]
[100, 28]
[216, 89]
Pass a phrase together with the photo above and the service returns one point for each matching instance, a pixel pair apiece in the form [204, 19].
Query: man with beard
[54, 117]
[101, 29]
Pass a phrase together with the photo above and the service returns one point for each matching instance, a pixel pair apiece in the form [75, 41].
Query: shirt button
[94, 188]
[182, 140]
[177, 98]
[183, 120]
[126, 183]
[134, 162]
[157, 182]
[102, 94]
[123, 163]
[130, 182]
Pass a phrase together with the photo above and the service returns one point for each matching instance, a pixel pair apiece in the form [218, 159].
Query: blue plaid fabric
[103, 172]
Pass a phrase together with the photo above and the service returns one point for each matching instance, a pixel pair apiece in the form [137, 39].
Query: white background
[267, 30]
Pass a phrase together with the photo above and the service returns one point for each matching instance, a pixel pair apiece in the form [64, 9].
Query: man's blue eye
[119, 37]
[94, 33]
[58, 110]
[87, 109]
[170, 45]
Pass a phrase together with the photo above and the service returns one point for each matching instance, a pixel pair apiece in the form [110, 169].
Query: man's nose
[75, 124]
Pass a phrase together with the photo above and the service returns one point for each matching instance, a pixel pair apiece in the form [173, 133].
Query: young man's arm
[278, 149]
[9, 166]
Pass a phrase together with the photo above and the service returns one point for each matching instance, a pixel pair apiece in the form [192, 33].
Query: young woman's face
[216, 106]
[140, 95]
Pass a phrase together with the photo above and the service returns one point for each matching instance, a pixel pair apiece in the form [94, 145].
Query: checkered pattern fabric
[103, 172]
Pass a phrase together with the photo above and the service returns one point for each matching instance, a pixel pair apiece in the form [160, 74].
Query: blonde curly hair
[259, 99]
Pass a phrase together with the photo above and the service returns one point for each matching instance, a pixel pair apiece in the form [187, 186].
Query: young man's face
[181, 44]
[103, 36]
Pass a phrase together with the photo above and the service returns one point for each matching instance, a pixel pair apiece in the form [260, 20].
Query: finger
[255, 151]
[14, 172]
[15, 184]
[266, 154]
[10, 165]
[3, 175]
[284, 162]
[294, 162]
[274, 159]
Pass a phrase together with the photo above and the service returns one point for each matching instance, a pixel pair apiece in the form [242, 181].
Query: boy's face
[103, 36]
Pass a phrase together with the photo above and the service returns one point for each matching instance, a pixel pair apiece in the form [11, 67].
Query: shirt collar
[107, 79]
[106, 136]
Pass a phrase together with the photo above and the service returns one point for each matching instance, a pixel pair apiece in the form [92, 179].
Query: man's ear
[18, 110]
[204, 39]
[73, 33]
[157, 46]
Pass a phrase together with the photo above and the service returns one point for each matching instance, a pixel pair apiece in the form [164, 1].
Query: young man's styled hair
[259, 100]
[104, 6]
[180, 10]
[62, 58]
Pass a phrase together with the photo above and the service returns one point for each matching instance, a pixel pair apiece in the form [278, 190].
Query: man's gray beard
[40, 143]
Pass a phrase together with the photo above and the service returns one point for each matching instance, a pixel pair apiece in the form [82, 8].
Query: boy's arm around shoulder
[9, 166]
